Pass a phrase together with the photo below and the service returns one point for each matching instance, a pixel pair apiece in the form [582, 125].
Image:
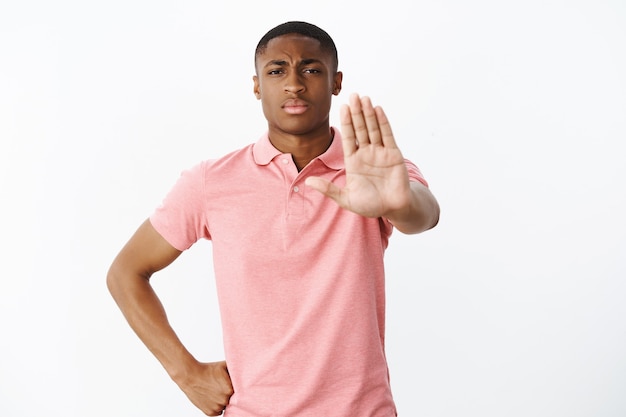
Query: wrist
[180, 368]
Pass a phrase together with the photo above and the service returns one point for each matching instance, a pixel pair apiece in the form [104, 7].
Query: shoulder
[207, 168]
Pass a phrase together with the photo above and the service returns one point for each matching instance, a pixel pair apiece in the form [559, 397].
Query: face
[295, 82]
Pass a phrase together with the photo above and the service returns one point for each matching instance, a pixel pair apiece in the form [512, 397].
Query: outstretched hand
[377, 181]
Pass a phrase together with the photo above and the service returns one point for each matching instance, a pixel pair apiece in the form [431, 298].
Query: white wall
[515, 111]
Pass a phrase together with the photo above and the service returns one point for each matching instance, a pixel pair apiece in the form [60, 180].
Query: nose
[294, 83]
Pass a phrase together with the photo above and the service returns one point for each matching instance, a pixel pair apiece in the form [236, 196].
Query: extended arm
[377, 181]
[206, 384]
[420, 214]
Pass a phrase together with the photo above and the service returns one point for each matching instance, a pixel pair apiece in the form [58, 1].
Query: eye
[275, 71]
[312, 71]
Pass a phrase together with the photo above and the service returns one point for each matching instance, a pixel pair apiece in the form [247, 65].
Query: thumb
[325, 187]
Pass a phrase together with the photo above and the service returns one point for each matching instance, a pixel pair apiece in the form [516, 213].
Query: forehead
[293, 46]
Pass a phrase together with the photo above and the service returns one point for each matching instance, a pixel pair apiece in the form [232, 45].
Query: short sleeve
[180, 218]
[414, 172]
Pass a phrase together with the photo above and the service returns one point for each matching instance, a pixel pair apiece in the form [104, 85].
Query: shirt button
[285, 161]
[296, 189]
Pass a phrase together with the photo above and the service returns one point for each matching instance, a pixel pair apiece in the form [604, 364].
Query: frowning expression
[295, 81]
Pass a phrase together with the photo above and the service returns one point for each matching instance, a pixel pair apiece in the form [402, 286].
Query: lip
[295, 106]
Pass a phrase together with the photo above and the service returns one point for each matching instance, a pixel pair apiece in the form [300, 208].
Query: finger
[348, 138]
[327, 188]
[385, 128]
[371, 121]
[358, 121]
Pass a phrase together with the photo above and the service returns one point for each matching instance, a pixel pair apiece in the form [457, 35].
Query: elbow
[430, 212]
[424, 218]
[434, 217]
[112, 282]
[122, 279]
[116, 280]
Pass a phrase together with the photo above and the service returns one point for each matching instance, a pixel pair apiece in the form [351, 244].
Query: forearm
[145, 313]
[420, 214]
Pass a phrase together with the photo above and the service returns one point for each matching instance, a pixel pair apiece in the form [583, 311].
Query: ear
[337, 83]
[257, 87]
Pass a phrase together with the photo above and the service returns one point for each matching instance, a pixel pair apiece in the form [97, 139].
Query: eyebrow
[281, 62]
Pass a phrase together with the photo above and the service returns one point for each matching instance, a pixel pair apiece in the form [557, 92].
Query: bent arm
[207, 385]
[128, 281]
[420, 214]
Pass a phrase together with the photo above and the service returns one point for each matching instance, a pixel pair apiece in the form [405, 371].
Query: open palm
[377, 181]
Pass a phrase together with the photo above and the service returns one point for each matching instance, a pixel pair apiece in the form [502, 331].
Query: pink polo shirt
[300, 282]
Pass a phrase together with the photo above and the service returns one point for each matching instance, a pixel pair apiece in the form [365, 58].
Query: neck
[303, 148]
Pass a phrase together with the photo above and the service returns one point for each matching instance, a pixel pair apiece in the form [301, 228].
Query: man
[299, 222]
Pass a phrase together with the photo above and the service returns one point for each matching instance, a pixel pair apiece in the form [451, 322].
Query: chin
[297, 128]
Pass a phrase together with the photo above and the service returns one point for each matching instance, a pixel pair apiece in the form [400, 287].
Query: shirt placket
[294, 189]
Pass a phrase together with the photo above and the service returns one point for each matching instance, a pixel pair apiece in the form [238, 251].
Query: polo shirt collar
[264, 152]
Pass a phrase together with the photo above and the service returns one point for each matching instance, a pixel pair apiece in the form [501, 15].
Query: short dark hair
[302, 28]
